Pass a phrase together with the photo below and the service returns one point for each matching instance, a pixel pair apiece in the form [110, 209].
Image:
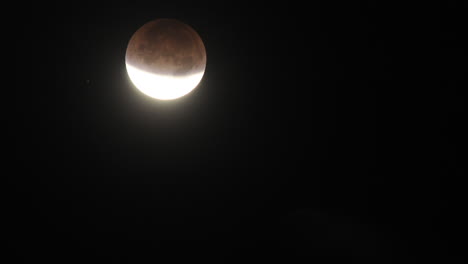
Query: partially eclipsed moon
[165, 59]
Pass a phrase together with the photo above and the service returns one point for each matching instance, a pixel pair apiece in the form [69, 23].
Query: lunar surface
[165, 59]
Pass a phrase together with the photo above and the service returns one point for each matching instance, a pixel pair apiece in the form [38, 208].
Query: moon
[165, 59]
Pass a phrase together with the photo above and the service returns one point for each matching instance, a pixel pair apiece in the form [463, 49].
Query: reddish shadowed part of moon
[165, 59]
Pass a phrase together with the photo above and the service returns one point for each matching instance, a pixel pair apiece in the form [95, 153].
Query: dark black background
[321, 132]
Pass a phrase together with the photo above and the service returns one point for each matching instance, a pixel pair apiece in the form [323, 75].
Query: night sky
[320, 133]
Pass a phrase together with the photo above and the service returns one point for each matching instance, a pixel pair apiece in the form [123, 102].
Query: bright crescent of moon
[163, 87]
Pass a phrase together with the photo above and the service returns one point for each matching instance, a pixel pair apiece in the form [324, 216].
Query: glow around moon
[163, 87]
[165, 59]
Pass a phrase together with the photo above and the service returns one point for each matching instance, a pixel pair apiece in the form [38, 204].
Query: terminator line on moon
[165, 59]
